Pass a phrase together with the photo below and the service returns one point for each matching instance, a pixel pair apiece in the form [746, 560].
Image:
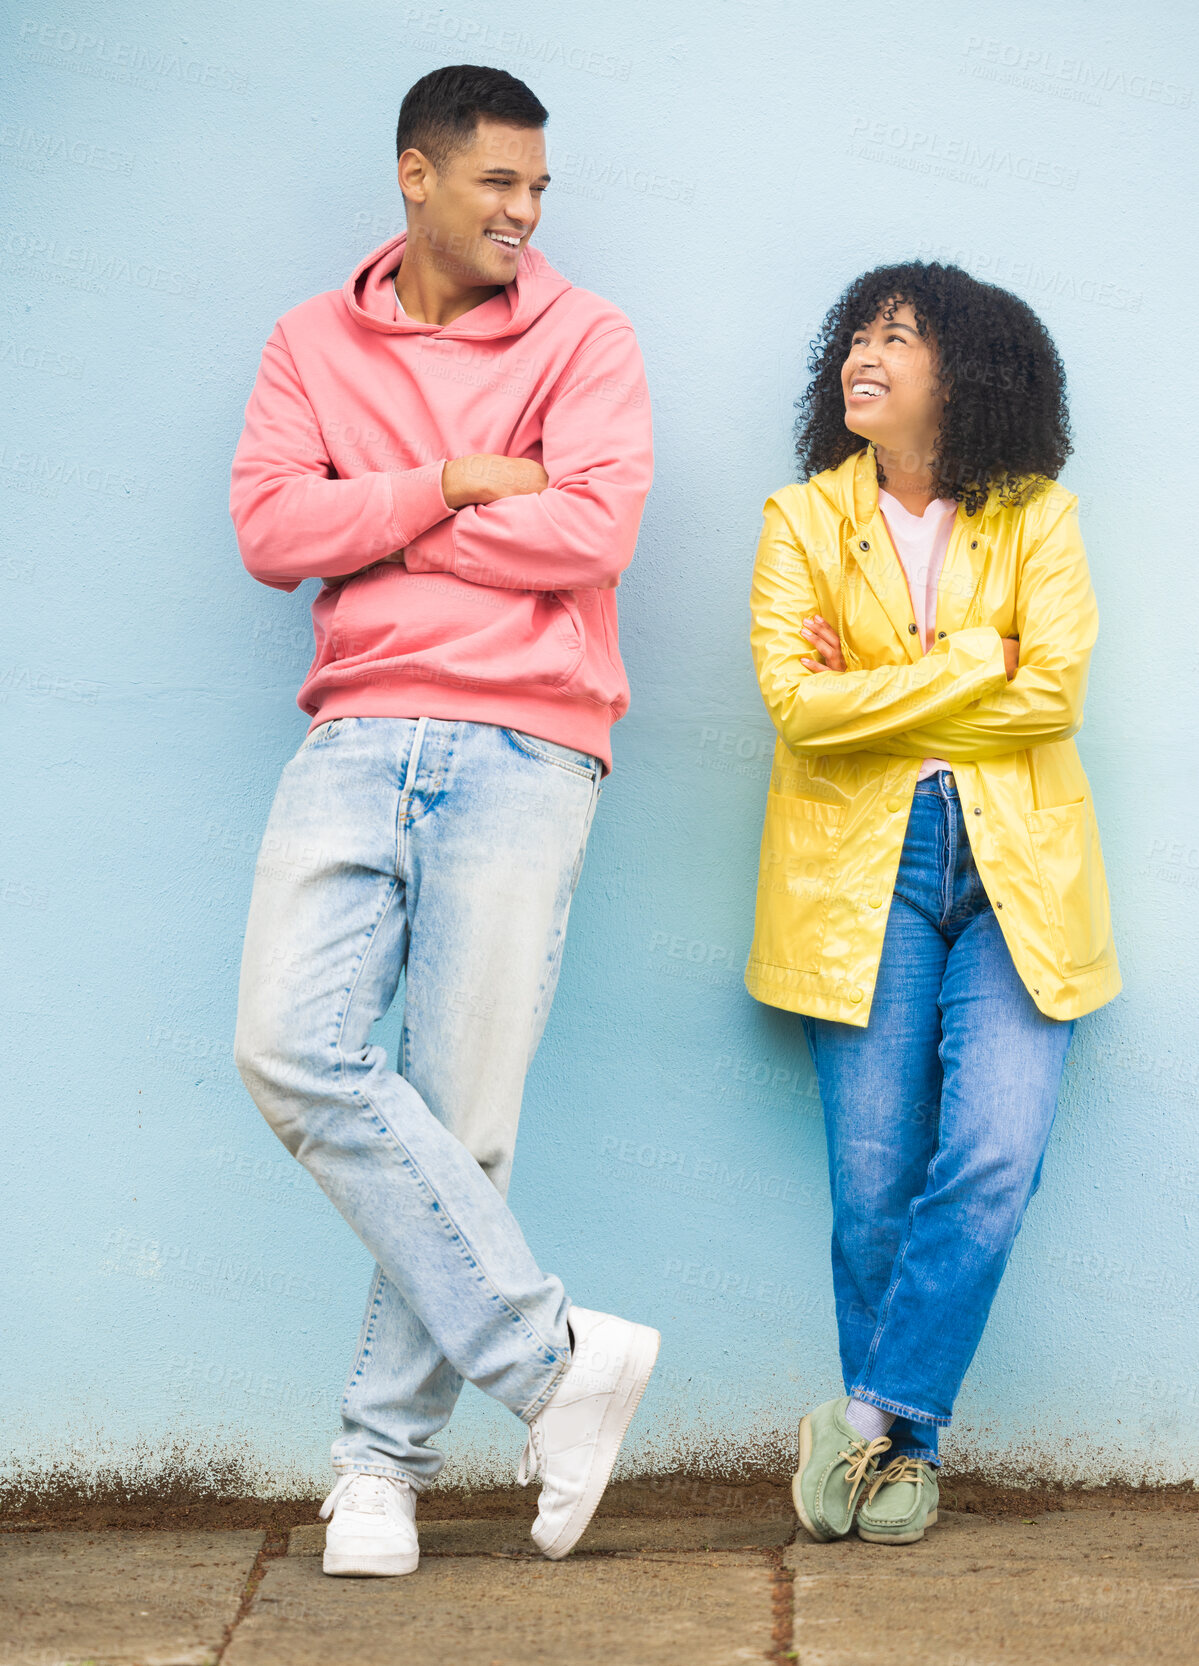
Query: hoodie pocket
[1065, 846]
[435, 627]
[599, 675]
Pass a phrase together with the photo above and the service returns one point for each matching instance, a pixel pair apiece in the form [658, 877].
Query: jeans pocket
[553, 752]
[319, 735]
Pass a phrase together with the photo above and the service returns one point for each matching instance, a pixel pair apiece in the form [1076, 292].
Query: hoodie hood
[370, 298]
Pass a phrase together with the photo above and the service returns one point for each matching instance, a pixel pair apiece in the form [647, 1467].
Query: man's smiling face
[479, 209]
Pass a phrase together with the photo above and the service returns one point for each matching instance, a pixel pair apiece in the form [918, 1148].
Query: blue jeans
[448, 852]
[937, 1115]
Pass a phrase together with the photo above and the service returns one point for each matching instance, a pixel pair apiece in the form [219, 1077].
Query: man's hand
[485, 477]
[1011, 655]
[482, 478]
[818, 631]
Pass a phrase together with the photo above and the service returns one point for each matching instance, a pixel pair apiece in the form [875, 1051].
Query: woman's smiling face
[891, 384]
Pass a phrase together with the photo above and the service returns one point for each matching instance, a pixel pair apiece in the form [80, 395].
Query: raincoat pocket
[1065, 846]
[800, 842]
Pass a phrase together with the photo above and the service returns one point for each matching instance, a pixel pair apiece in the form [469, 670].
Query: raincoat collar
[852, 488]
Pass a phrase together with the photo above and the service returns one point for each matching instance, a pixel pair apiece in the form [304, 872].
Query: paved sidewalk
[1101, 1585]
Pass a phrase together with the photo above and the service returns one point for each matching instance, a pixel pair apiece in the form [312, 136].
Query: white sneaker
[373, 1530]
[574, 1439]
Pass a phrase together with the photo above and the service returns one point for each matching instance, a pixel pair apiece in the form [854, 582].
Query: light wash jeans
[937, 1115]
[448, 852]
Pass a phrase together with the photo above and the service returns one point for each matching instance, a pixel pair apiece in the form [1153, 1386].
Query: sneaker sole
[896, 1538]
[643, 1356]
[369, 1564]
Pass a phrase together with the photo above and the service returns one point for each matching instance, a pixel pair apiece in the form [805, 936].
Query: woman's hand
[818, 631]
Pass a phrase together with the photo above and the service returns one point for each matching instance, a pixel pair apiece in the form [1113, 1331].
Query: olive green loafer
[835, 1461]
[900, 1504]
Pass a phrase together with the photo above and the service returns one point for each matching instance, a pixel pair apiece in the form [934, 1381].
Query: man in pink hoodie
[457, 443]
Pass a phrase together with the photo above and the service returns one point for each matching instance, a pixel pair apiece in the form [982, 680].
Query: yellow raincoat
[850, 743]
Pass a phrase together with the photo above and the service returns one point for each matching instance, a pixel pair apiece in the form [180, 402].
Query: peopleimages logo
[1034, 279]
[128, 62]
[1077, 72]
[481, 37]
[33, 149]
[888, 140]
[32, 253]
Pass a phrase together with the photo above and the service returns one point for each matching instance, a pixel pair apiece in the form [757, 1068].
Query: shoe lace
[532, 1459]
[899, 1469]
[373, 1492]
[863, 1461]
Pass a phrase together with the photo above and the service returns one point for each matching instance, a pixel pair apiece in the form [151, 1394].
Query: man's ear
[415, 174]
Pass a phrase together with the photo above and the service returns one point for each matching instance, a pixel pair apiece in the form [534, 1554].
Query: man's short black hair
[440, 111]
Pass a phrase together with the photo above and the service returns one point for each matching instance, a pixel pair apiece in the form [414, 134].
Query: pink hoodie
[500, 613]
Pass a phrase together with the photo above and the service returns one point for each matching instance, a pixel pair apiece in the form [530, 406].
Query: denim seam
[948, 863]
[388, 1470]
[896, 1409]
[924, 1453]
[913, 904]
[549, 979]
[317, 737]
[442, 767]
[517, 738]
[412, 810]
[539, 1400]
[368, 1336]
[885, 1305]
[450, 1225]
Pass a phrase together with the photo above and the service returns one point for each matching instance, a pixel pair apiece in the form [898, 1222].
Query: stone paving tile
[1074, 1588]
[120, 1598]
[586, 1611]
[495, 1536]
[1165, 1543]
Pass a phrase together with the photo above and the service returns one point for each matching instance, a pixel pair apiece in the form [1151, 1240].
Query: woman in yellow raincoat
[932, 898]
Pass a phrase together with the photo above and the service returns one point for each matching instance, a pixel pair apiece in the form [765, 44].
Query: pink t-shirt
[921, 542]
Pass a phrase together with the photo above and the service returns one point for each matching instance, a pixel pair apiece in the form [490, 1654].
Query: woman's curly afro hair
[1006, 424]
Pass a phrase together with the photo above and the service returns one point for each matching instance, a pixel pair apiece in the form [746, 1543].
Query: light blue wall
[177, 1290]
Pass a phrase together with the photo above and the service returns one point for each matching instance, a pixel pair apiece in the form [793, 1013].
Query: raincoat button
[894, 804]
[863, 543]
[974, 545]
[998, 904]
[876, 902]
[940, 633]
[855, 996]
[912, 628]
[977, 810]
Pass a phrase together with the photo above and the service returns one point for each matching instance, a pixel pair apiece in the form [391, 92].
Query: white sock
[867, 1419]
